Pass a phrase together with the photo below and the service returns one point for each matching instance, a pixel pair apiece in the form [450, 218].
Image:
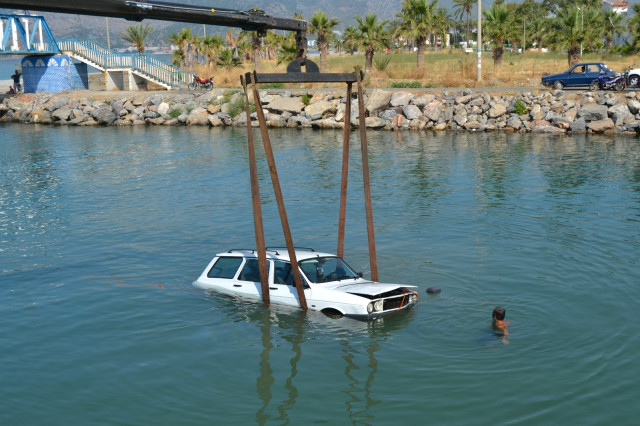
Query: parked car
[582, 74]
[330, 285]
[633, 77]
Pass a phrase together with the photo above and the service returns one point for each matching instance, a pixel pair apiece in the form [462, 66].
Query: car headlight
[370, 307]
[377, 305]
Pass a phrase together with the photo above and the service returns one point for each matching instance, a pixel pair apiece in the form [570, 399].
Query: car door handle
[273, 288]
[237, 285]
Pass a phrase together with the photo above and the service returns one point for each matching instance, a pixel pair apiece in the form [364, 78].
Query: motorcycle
[617, 82]
[201, 83]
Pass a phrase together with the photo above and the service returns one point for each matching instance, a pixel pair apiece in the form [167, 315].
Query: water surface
[103, 230]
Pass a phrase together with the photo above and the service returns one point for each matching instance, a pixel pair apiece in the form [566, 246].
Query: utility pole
[479, 40]
[106, 20]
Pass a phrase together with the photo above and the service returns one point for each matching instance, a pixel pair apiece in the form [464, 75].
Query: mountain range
[94, 28]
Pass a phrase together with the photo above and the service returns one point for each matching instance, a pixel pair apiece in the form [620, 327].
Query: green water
[103, 230]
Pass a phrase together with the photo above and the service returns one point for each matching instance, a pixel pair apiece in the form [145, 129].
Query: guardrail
[106, 59]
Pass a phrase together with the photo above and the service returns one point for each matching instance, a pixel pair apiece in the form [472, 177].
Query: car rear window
[225, 267]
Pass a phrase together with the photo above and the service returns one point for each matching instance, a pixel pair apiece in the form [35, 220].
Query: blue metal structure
[26, 35]
[147, 67]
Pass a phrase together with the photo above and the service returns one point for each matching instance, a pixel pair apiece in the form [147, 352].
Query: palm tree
[349, 39]
[184, 41]
[372, 36]
[417, 21]
[634, 26]
[322, 26]
[612, 26]
[567, 33]
[137, 34]
[228, 60]
[537, 30]
[498, 27]
[461, 7]
[287, 51]
[210, 46]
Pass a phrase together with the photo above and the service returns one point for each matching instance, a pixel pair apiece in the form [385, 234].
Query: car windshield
[326, 269]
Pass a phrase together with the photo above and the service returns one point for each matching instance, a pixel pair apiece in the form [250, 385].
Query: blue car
[577, 75]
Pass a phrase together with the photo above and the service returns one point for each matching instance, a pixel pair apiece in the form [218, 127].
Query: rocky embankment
[467, 110]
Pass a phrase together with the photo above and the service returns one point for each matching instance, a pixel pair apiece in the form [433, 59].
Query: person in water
[499, 323]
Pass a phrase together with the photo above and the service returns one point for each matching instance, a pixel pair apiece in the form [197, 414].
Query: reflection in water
[265, 380]
[361, 400]
[294, 321]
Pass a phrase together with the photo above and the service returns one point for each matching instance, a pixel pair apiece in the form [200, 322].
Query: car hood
[369, 288]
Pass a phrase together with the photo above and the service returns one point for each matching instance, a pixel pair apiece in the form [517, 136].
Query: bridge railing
[163, 71]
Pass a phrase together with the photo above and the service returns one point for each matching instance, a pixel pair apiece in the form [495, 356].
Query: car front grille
[395, 302]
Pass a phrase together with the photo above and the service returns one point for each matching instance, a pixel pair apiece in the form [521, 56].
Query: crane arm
[250, 20]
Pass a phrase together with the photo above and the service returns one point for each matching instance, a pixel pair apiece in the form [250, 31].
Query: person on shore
[16, 81]
[499, 323]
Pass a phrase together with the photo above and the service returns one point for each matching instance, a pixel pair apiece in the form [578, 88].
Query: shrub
[306, 99]
[175, 112]
[380, 63]
[406, 85]
[520, 107]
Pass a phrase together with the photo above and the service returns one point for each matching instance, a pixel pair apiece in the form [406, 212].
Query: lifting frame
[349, 78]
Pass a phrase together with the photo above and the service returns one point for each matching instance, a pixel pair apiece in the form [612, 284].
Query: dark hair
[498, 313]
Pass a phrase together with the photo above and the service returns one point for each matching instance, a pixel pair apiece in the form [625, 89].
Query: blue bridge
[48, 64]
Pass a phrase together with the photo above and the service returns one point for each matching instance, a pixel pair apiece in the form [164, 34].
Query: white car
[330, 285]
[633, 77]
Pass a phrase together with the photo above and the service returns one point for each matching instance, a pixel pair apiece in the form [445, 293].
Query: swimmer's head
[498, 314]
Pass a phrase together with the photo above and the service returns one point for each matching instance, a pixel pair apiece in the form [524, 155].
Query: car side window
[578, 70]
[282, 273]
[225, 267]
[250, 271]
[593, 68]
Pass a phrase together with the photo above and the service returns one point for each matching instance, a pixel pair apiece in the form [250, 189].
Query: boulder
[377, 100]
[401, 98]
[293, 105]
[593, 112]
[412, 112]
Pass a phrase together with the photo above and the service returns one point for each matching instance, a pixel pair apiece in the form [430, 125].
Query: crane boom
[250, 20]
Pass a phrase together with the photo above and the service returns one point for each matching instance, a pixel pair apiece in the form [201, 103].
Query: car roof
[277, 253]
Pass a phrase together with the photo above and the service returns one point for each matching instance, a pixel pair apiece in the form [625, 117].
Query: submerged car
[330, 285]
[578, 75]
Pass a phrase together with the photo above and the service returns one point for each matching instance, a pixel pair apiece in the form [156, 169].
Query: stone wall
[465, 110]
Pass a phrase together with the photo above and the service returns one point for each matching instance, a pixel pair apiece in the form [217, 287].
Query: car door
[281, 286]
[576, 76]
[593, 72]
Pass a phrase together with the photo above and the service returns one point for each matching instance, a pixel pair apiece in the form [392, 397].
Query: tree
[322, 26]
[137, 34]
[461, 7]
[417, 22]
[185, 43]
[567, 33]
[228, 60]
[634, 26]
[349, 39]
[288, 50]
[371, 36]
[210, 46]
[612, 26]
[498, 27]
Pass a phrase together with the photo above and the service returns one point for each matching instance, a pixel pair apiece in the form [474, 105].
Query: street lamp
[479, 40]
[581, 27]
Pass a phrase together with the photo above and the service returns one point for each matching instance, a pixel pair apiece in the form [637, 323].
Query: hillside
[83, 27]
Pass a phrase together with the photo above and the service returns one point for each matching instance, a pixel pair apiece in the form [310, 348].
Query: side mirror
[360, 274]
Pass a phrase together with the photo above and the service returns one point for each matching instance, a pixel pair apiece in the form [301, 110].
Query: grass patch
[174, 112]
